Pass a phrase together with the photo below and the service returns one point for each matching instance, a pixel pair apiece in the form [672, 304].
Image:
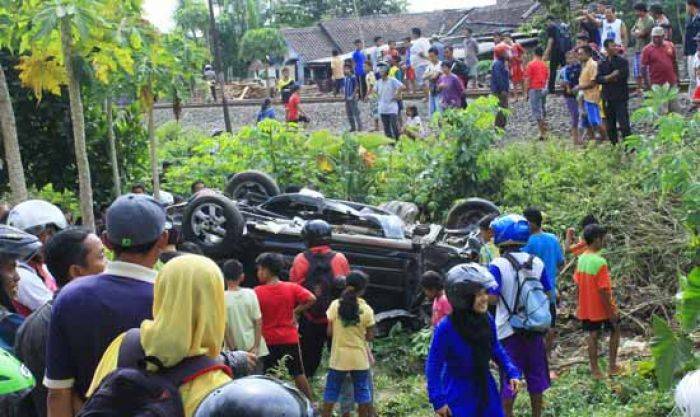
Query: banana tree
[15, 168]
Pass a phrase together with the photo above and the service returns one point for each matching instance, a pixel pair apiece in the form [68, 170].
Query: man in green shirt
[642, 35]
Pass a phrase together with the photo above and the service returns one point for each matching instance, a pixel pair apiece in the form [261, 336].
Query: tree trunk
[78, 121]
[218, 66]
[113, 148]
[13, 158]
[153, 145]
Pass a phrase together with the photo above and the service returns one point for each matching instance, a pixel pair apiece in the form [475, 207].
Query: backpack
[132, 391]
[530, 312]
[564, 40]
[321, 281]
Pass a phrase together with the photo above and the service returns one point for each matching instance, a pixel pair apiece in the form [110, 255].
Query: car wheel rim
[209, 223]
[250, 192]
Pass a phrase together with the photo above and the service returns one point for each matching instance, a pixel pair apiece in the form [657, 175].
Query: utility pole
[218, 65]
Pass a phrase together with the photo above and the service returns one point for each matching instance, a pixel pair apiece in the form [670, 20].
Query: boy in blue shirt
[545, 246]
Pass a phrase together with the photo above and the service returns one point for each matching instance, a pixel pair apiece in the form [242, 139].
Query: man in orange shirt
[536, 76]
[596, 303]
[319, 270]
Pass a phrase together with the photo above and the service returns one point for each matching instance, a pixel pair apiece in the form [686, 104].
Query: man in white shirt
[419, 54]
[432, 73]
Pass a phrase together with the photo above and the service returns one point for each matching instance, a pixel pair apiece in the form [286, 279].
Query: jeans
[391, 125]
[433, 103]
[353, 112]
[362, 82]
[616, 112]
[361, 381]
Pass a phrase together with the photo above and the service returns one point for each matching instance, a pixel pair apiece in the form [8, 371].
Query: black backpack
[131, 391]
[564, 40]
[321, 281]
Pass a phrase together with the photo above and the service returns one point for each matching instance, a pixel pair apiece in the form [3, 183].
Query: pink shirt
[441, 308]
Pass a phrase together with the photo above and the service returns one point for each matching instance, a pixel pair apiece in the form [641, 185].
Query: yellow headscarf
[188, 309]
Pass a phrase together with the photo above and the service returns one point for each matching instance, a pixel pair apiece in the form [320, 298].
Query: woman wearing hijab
[457, 369]
[189, 320]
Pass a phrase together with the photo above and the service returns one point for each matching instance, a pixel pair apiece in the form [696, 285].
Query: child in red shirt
[280, 304]
[433, 288]
[536, 77]
[596, 304]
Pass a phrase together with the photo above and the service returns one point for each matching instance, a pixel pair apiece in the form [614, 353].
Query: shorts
[293, 358]
[596, 326]
[572, 105]
[528, 353]
[338, 85]
[361, 386]
[591, 115]
[347, 393]
[537, 99]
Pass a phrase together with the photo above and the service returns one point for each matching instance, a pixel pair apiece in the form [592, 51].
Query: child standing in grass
[596, 304]
[433, 288]
[351, 325]
[579, 247]
[243, 316]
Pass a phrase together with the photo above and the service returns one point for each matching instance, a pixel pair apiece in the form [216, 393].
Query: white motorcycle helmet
[34, 215]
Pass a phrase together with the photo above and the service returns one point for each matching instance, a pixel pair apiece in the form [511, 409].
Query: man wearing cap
[90, 312]
[660, 57]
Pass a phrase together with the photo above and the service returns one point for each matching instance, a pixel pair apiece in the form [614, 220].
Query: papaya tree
[8, 126]
[75, 24]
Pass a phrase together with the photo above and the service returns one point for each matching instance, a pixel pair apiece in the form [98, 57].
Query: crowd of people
[598, 107]
[593, 71]
[161, 327]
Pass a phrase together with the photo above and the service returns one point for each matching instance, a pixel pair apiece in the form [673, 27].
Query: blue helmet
[510, 229]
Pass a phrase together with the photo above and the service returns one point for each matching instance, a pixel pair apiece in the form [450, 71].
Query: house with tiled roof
[309, 48]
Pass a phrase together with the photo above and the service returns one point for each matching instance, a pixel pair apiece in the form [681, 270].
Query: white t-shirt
[433, 72]
[386, 91]
[32, 292]
[420, 45]
[508, 288]
[242, 310]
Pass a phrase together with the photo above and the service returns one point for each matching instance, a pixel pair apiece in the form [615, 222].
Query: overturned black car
[252, 216]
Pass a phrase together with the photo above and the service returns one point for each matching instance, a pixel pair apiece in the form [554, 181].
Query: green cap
[14, 376]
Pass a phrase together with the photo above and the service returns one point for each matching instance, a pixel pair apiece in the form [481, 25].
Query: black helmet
[17, 244]
[255, 396]
[316, 233]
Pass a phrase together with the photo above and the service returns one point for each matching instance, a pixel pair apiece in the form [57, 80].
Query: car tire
[252, 187]
[406, 211]
[214, 223]
[467, 213]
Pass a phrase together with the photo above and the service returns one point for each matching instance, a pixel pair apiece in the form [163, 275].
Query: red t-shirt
[277, 304]
[660, 61]
[293, 107]
[538, 74]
